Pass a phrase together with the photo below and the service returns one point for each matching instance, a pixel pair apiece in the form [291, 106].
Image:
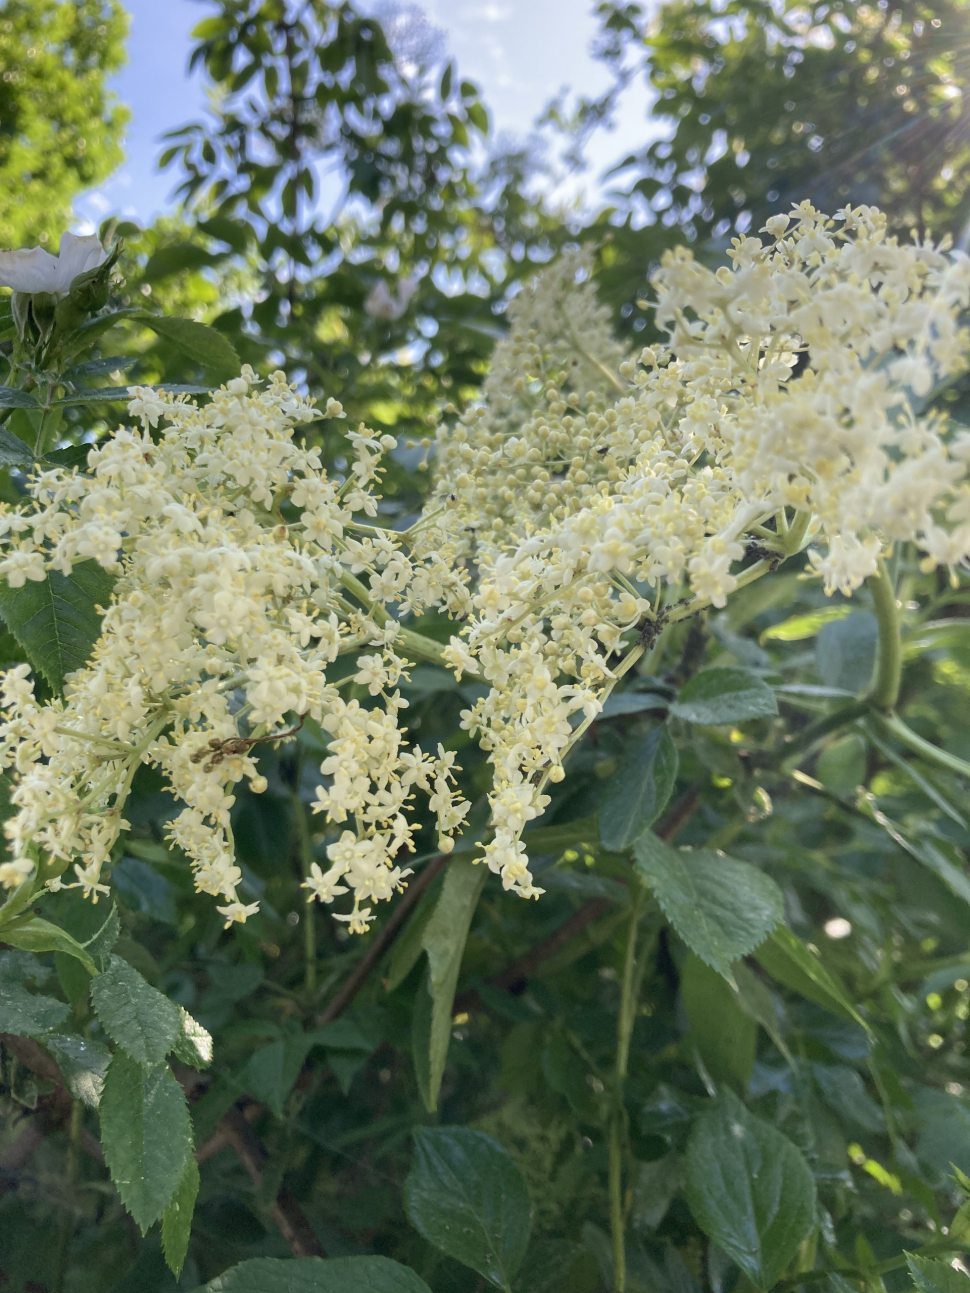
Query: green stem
[884, 691]
[793, 539]
[416, 643]
[892, 725]
[307, 859]
[696, 604]
[822, 727]
[633, 969]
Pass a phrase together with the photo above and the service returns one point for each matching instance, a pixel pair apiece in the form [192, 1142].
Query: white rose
[36, 270]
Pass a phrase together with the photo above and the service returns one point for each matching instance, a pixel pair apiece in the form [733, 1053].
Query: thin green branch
[884, 692]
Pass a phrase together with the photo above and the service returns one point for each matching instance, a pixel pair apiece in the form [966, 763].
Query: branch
[513, 976]
[285, 1211]
[385, 937]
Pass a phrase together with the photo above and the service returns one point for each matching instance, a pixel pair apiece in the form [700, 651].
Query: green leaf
[193, 1045]
[318, 1275]
[99, 945]
[95, 395]
[13, 451]
[756, 1000]
[638, 791]
[725, 1035]
[84, 1064]
[408, 946]
[97, 367]
[845, 1093]
[28, 1014]
[444, 941]
[722, 909]
[846, 651]
[570, 835]
[56, 621]
[33, 934]
[14, 907]
[654, 1187]
[794, 964]
[931, 1275]
[202, 344]
[12, 398]
[800, 627]
[724, 696]
[177, 1217]
[134, 1014]
[173, 260]
[274, 1068]
[146, 1135]
[466, 1196]
[750, 1190]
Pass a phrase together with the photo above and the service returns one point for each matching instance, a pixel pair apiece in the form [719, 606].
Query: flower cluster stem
[884, 691]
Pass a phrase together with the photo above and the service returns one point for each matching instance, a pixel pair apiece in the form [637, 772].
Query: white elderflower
[590, 498]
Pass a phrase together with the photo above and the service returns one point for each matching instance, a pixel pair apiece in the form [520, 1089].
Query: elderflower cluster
[588, 501]
[234, 557]
[592, 494]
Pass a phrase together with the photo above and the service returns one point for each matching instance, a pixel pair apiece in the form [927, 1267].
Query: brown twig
[234, 1129]
[220, 1137]
[388, 932]
[285, 1210]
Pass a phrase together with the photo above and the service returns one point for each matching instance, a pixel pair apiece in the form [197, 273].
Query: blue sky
[522, 52]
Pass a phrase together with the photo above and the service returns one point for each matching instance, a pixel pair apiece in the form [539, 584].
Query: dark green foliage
[57, 621]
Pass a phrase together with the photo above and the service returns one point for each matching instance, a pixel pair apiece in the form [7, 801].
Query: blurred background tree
[767, 105]
[61, 130]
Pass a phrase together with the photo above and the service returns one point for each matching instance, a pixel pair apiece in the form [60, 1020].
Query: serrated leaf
[466, 1196]
[750, 1190]
[444, 941]
[13, 451]
[931, 1275]
[95, 367]
[193, 1045]
[99, 945]
[718, 696]
[84, 1064]
[318, 1275]
[34, 934]
[135, 1015]
[95, 395]
[725, 1036]
[845, 1093]
[796, 966]
[145, 1134]
[722, 908]
[74, 455]
[638, 791]
[177, 1217]
[55, 621]
[200, 343]
[28, 1014]
[12, 398]
[273, 1069]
